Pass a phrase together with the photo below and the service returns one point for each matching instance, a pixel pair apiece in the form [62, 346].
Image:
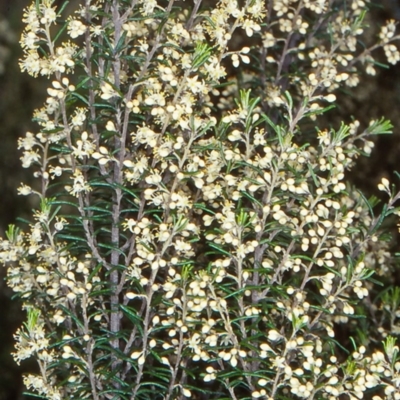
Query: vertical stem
[177, 366]
[193, 15]
[119, 147]
[89, 350]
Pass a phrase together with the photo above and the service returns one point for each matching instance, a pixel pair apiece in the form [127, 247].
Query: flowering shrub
[195, 236]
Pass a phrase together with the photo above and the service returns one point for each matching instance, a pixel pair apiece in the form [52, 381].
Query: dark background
[20, 94]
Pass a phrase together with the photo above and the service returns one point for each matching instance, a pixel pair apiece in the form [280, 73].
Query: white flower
[384, 186]
[76, 28]
[108, 91]
[274, 335]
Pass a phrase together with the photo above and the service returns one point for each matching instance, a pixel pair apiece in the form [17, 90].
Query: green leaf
[80, 97]
[219, 250]
[202, 206]
[62, 8]
[319, 111]
[101, 210]
[131, 313]
[289, 100]
[342, 133]
[250, 197]
[71, 237]
[367, 203]
[33, 315]
[73, 317]
[95, 272]
[60, 32]
[34, 395]
[12, 233]
[121, 46]
[380, 219]
[201, 54]
[380, 127]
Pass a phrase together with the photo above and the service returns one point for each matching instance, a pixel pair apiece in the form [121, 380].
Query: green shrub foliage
[195, 234]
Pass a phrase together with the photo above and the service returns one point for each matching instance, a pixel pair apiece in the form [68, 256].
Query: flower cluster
[39, 18]
[192, 235]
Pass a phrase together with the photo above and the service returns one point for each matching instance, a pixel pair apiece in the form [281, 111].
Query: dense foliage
[196, 235]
